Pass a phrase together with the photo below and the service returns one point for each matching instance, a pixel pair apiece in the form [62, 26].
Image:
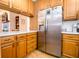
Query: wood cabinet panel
[77, 7]
[8, 51]
[31, 7]
[70, 48]
[21, 49]
[21, 46]
[43, 4]
[6, 2]
[17, 4]
[31, 42]
[70, 45]
[6, 40]
[24, 5]
[69, 9]
[56, 3]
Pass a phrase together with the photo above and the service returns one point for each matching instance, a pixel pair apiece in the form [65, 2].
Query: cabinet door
[24, 5]
[6, 2]
[30, 7]
[56, 2]
[8, 51]
[70, 48]
[69, 9]
[77, 7]
[17, 4]
[43, 4]
[21, 49]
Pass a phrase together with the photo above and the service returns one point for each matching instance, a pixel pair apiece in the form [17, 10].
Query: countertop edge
[2, 34]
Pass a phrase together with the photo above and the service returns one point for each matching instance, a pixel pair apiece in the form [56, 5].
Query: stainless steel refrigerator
[49, 33]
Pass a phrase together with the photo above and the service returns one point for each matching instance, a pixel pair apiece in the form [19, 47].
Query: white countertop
[14, 33]
[70, 32]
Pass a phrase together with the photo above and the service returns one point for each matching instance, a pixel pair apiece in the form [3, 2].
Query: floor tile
[39, 54]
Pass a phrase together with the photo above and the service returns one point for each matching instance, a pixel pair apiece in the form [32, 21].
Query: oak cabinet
[31, 7]
[16, 4]
[69, 9]
[24, 5]
[21, 49]
[77, 7]
[31, 42]
[6, 2]
[18, 46]
[21, 46]
[56, 3]
[8, 51]
[43, 4]
[8, 47]
[70, 46]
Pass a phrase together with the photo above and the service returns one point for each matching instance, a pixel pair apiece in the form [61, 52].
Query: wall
[69, 26]
[12, 20]
[34, 20]
[24, 21]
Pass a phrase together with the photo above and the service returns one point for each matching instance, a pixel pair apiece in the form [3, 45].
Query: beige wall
[33, 20]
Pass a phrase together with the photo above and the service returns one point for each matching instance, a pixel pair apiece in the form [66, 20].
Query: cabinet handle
[13, 45]
[7, 40]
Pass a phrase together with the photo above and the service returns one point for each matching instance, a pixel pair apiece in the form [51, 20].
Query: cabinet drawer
[31, 44]
[21, 37]
[30, 49]
[5, 40]
[33, 33]
[31, 41]
[73, 37]
[32, 36]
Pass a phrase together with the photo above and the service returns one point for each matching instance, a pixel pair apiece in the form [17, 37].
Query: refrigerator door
[41, 39]
[53, 31]
[41, 31]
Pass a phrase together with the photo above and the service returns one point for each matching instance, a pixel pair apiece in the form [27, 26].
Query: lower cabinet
[70, 46]
[18, 46]
[8, 51]
[31, 42]
[21, 49]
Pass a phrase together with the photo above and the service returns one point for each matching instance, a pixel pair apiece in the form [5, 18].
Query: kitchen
[39, 28]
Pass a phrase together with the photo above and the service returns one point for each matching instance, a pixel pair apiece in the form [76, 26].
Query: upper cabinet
[20, 5]
[16, 4]
[56, 2]
[43, 4]
[77, 9]
[31, 7]
[6, 2]
[24, 7]
[70, 9]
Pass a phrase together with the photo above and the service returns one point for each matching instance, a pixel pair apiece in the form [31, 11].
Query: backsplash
[69, 26]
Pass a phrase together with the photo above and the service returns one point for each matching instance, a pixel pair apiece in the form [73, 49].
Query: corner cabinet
[70, 10]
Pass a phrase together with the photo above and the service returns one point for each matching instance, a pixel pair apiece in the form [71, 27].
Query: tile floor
[39, 54]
